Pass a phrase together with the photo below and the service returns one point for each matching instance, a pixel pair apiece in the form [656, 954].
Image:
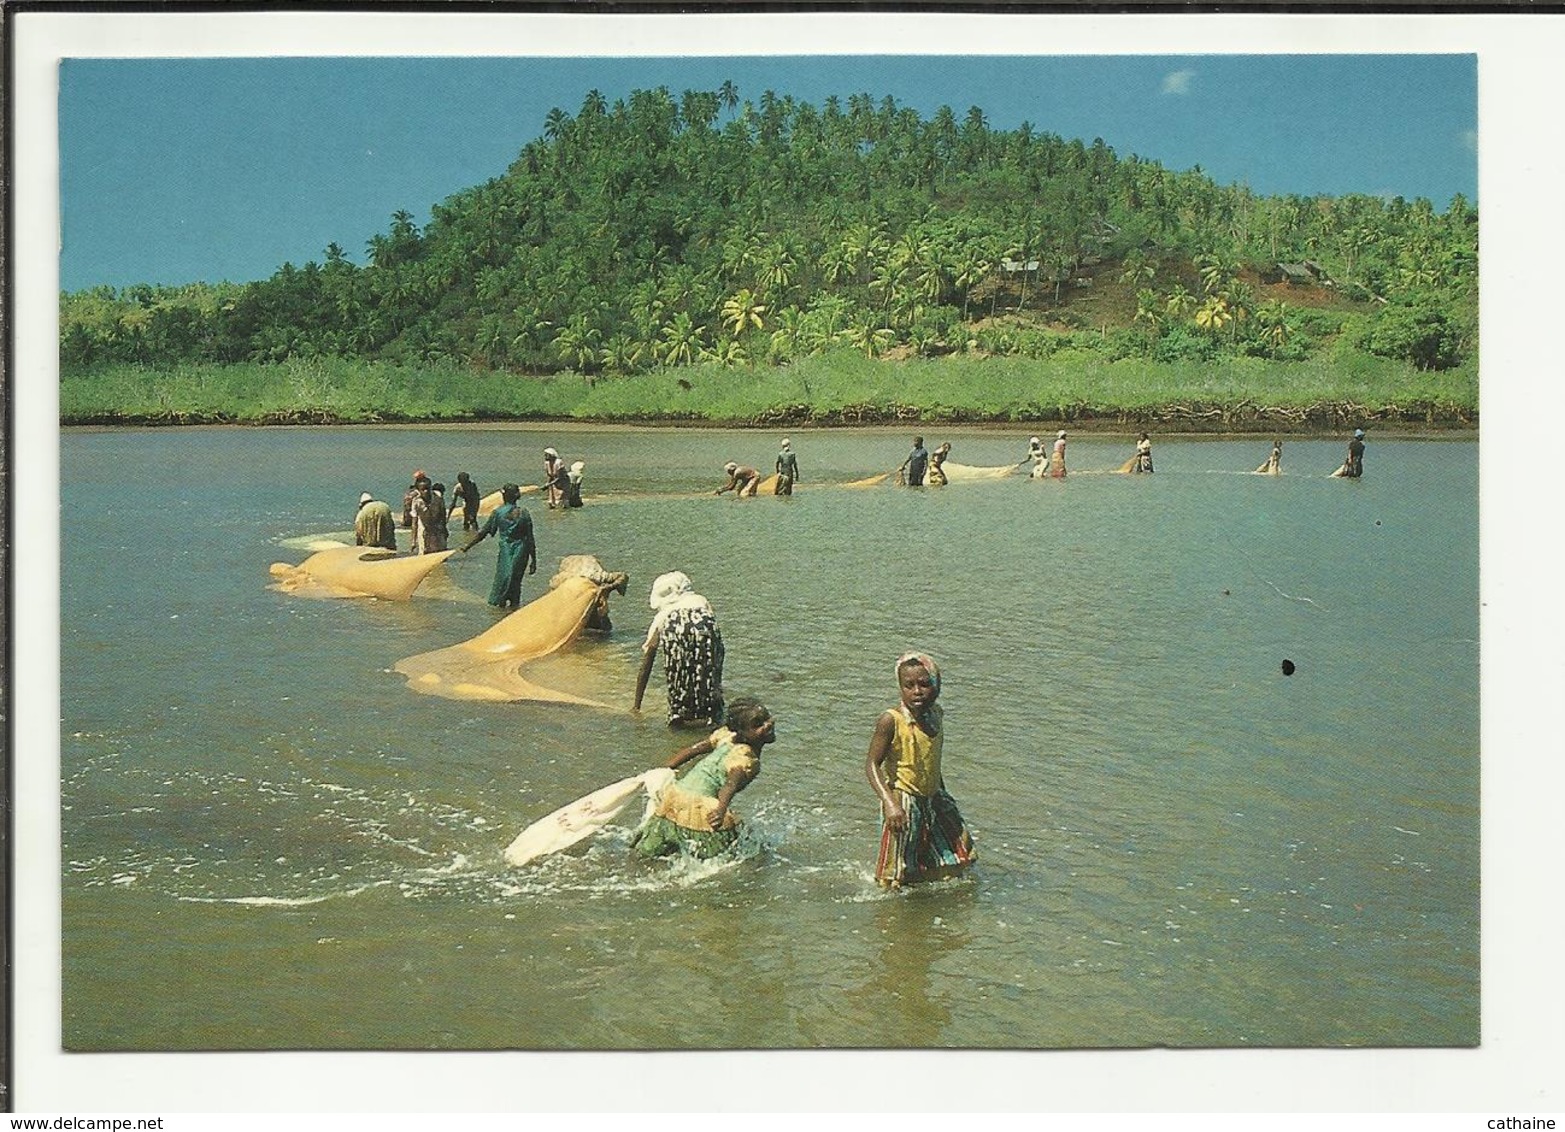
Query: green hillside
[701, 232]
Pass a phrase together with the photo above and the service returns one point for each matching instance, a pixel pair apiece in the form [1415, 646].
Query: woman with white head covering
[742, 480]
[1039, 455]
[554, 477]
[573, 484]
[684, 630]
[373, 525]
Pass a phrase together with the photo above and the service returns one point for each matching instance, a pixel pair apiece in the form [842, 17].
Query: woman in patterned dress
[684, 630]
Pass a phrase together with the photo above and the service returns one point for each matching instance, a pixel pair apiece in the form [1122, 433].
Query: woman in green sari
[512, 528]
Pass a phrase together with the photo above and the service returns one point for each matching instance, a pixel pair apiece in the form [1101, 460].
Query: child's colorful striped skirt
[935, 843]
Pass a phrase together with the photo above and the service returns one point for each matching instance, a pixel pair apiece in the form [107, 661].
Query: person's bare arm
[738, 779]
[648, 655]
[879, 751]
[685, 754]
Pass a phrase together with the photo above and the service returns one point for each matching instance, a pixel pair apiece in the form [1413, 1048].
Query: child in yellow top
[922, 836]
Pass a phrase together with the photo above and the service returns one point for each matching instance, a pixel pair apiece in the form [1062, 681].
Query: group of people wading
[745, 481]
[922, 836]
[923, 467]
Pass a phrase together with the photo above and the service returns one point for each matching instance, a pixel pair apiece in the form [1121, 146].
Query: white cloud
[1177, 82]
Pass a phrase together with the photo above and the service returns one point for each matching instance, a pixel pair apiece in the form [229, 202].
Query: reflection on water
[271, 841]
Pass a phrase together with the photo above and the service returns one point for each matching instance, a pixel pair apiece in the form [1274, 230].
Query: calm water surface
[270, 841]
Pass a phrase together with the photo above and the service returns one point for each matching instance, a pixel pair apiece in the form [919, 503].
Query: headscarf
[1062, 434]
[925, 661]
[1035, 440]
[671, 593]
[669, 588]
[550, 452]
[785, 444]
[365, 498]
[578, 467]
[730, 467]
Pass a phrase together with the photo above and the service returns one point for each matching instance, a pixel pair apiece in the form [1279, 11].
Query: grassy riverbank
[840, 388]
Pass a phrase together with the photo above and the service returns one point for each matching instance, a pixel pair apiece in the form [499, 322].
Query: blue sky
[175, 170]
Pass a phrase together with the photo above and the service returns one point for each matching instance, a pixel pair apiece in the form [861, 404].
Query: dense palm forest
[667, 231]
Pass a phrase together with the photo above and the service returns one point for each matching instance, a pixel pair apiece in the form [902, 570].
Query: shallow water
[271, 841]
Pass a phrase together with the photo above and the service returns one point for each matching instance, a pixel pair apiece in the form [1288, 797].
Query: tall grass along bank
[839, 388]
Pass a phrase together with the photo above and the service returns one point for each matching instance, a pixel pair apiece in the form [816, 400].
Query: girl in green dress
[692, 815]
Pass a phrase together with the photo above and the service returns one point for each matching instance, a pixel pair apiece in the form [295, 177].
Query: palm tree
[1215, 272]
[621, 354]
[1138, 269]
[728, 94]
[492, 339]
[1180, 301]
[788, 340]
[975, 134]
[836, 263]
[1241, 301]
[972, 269]
[863, 244]
[682, 341]
[726, 354]
[742, 311]
[888, 282]
[827, 315]
[867, 336]
[1147, 311]
[555, 123]
[531, 326]
[578, 342]
[775, 266]
[1272, 318]
[1213, 314]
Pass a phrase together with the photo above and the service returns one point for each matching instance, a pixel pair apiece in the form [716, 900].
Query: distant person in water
[693, 815]
[684, 631]
[466, 491]
[408, 497]
[512, 528]
[912, 470]
[573, 484]
[937, 460]
[1143, 457]
[922, 835]
[439, 519]
[373, 525]
[1353, 467]
[428, 519]
[1273, 465]
[586, 566]
[554, 477]
[1038, 453]
[1057, 464]
[787, 469]
[742, 480]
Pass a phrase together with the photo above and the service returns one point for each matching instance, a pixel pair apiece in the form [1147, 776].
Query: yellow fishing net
[489, 666]
[357, 571]
[962, 473]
